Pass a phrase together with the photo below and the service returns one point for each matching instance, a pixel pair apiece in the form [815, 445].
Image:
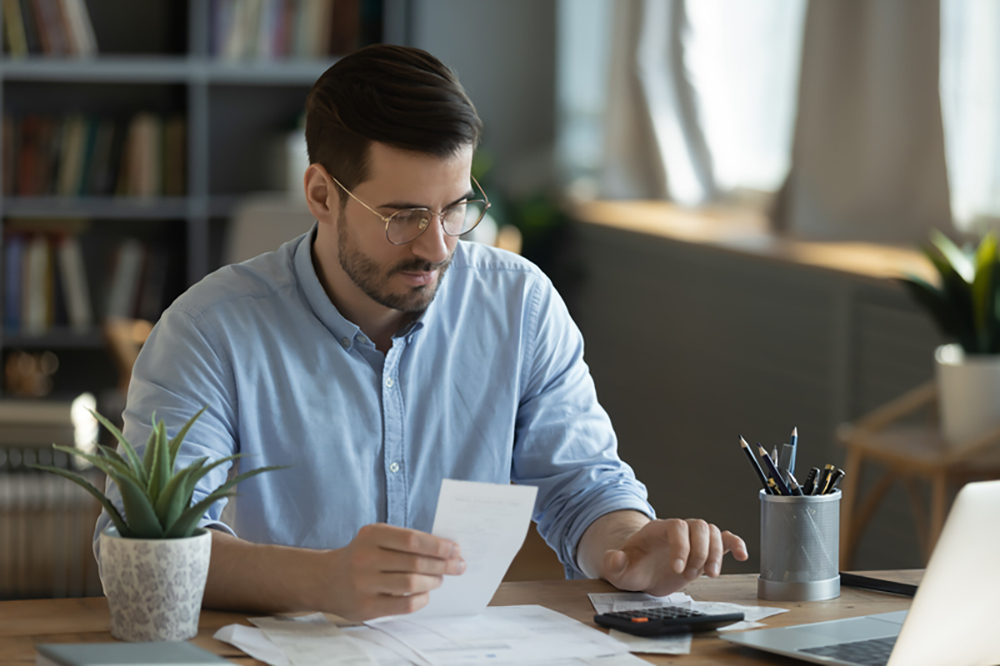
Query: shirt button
[394, 467]
[346, 342]
[389, 383]
[362, 339]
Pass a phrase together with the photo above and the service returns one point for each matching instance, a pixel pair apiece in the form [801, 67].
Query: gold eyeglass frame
[433, 215]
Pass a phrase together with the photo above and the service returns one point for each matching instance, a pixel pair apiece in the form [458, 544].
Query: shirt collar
[323, 307]
[319, 301]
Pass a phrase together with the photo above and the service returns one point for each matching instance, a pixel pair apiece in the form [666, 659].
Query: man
[378, 355]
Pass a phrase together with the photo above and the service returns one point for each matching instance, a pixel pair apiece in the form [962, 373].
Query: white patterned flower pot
[968, 394]
[154, 586]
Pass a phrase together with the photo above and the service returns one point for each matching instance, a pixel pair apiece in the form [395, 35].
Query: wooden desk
[25, 623]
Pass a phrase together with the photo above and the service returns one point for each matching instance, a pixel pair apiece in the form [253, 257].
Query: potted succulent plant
[154, 559]
[966, 308]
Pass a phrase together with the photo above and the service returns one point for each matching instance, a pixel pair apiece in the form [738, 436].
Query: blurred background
[724, 192]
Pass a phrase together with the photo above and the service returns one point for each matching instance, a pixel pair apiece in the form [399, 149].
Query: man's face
[401, 277]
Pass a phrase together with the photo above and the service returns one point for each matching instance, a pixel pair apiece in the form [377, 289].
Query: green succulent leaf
[983, 290]
[110, 467]
[149, 455]
[112, 510]
[160, 475]
[958, 259]
[175, 443]
[139, 512]
[187, 521]
[133, 458]
[175, 497]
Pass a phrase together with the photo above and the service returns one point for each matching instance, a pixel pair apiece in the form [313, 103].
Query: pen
[793, 442]
[756, 465]
[837, 476]
[793, 484]
[824, 482]
[809, 488]
[773, 471]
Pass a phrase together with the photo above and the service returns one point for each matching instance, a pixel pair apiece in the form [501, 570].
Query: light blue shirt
[489, 384]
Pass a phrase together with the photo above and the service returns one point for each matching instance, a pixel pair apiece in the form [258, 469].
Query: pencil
[773, 471]
[756, 465]
[793, 485]
[794, 443]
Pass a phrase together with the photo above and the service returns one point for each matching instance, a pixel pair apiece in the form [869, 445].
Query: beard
[373, 279]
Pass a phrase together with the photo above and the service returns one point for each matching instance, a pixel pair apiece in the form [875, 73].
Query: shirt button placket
[394, 419]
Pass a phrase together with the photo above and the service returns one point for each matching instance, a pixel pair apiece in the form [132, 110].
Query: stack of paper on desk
[489, 522]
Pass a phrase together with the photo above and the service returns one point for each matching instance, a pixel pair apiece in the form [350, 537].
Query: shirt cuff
[609, 505]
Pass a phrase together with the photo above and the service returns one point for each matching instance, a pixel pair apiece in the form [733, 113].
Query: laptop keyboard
[865, 653]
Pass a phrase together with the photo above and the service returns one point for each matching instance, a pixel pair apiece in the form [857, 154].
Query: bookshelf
[170, 59]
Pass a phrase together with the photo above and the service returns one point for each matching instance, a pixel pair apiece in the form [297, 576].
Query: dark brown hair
[400, 96]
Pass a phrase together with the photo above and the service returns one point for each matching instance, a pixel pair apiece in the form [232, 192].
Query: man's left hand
[665, 555]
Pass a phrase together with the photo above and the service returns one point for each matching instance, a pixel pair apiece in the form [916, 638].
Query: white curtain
[970, 103]
[701, 97]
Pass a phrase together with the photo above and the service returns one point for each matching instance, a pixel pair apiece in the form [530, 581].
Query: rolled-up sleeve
[180, 369]
[565, 444]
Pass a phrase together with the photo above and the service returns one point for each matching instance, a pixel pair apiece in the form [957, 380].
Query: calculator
[665, 620]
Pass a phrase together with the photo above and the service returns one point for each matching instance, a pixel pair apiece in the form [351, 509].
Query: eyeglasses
[404, 226]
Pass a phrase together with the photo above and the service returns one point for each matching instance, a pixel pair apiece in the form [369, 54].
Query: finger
[735, 545]
[392, 561]
[699, 535]
[405, 584]
[713, 565]
[678, 537]
[385, 604]
[406, 540]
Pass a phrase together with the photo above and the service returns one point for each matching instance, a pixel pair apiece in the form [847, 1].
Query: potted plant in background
[154, 559]
[966, 309]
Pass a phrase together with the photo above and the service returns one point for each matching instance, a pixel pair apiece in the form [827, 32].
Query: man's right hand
[385, 570]
[388, 570]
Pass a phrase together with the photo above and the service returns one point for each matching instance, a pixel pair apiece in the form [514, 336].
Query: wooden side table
[908, 450]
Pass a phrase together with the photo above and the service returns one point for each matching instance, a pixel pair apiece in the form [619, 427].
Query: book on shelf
[124, 286]
[47, 284]
[274, 29]
[49, 27]
[87, 155]
[13, 257]
[76, 295]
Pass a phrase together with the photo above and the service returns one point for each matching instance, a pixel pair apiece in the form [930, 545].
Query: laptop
[953, 619]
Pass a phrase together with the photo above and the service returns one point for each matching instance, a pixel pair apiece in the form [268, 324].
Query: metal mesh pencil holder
[799, 547]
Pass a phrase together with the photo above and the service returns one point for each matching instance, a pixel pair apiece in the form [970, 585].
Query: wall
[504, 55]
[691, 347]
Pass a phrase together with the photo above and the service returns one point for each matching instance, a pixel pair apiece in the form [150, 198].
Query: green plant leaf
[942, 309]
[174, 498]
[139, 512]
[983, 291]
[149, 455]
[112, 510]
[187, 521]
[175, 443]
[162, 471]
[130, 453]
[956, 257]
[111, 454]
[110, 467]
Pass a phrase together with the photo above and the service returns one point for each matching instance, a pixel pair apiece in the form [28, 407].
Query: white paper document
[489, 522]
[500, 635]
[615, 602]
[673, 644]
[313, 640]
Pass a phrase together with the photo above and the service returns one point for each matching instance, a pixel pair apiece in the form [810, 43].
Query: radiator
[46, 528]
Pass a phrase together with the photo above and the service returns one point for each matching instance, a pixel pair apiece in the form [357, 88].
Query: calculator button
[640, 619]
